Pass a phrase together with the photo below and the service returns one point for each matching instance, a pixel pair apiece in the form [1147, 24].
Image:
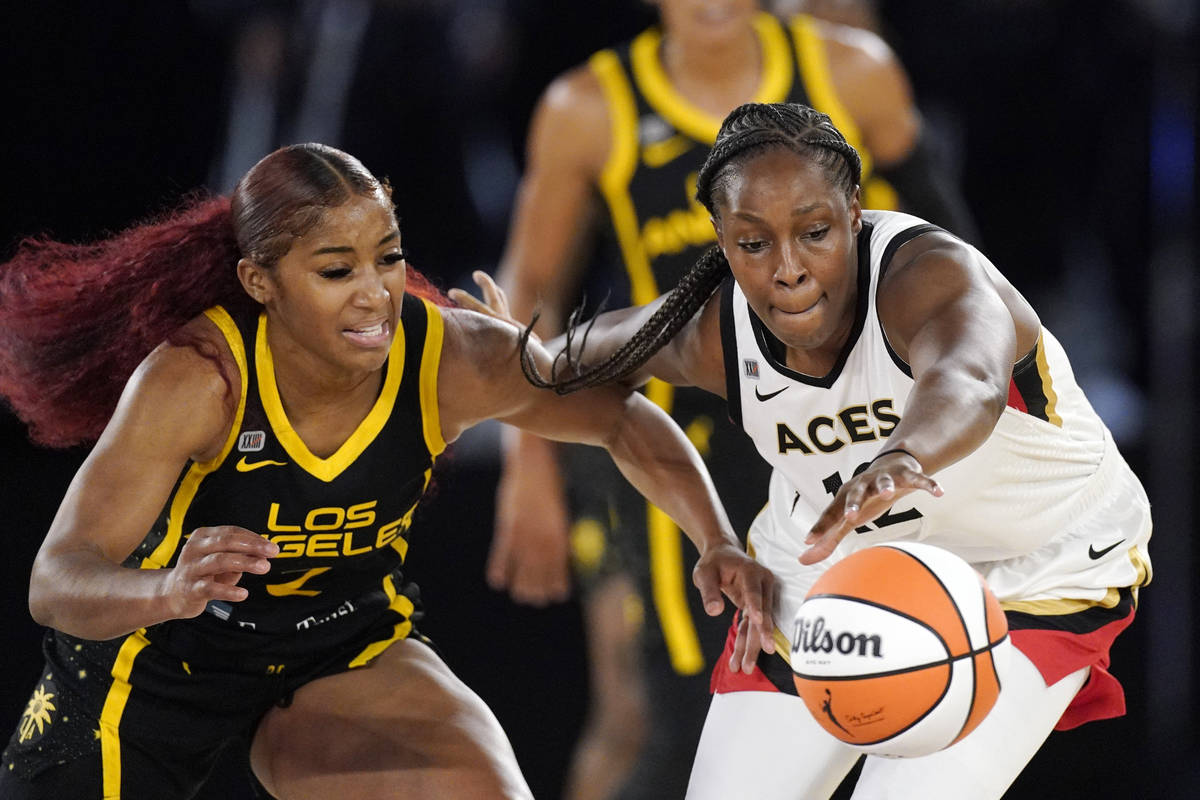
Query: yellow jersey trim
[190, 484]
[783, 648]
[1047, 385]
[326, 469]
[431, 358]
[618, 171]
[402, 606]
[114, 708]
[773, 86]
[667, 570]
[658, 154]
[1060, 606]
[1057, 607]
[818, 84]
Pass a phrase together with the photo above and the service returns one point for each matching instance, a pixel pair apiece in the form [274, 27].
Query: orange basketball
[894, 650]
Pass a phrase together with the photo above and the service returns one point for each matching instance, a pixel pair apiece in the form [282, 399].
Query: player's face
[789, 235]
[337, 293]
[709, 20]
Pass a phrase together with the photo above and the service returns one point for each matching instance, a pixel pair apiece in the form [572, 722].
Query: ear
[256, 280]
[856, 212]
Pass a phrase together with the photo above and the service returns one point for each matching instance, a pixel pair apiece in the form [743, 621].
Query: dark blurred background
[1071, 125]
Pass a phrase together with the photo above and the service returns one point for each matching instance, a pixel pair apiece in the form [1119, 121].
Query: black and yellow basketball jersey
[341, 521]
[660, 140]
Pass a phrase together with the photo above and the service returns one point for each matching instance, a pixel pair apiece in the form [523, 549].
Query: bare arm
[174, 408]
[693, 356]
[481, 378]
[873, 86]
[567, 147]
[959, 325]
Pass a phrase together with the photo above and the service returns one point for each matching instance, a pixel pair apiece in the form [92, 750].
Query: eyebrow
[320, 251]
[796, 212]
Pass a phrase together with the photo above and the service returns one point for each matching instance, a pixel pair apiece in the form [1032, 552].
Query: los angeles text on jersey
[330, 531]
[828, 434]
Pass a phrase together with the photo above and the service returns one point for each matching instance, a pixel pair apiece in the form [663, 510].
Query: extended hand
[864, 498]
[494, 303]
[530, 553]
[728, 570]
[210, 565]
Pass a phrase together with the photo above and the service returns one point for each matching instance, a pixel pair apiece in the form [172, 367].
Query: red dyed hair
[76, 320]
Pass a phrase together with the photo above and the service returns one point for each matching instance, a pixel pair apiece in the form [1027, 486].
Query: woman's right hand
[210, 565]
[530, 555]
[494, 303]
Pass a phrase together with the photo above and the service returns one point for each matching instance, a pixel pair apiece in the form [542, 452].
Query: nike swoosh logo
[247, 466]
[1093, 553]
[769, 395]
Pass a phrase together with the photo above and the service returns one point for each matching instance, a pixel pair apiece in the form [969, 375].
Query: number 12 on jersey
[834, 482]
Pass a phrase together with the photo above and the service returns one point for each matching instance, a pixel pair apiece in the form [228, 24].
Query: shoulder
[480, 375]
[698, 347]
[575, 93]
[873, 86]
[477, 352]
[932, 251]
[476, 338]
[187, 388]
[571, 121]
[927, 276]
[854, 51]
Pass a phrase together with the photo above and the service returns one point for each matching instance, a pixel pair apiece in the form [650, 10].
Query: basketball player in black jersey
[226, 565]
[622, 138]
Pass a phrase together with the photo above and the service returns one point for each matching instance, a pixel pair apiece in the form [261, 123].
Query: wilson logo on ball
[812, 637]
[939, 675]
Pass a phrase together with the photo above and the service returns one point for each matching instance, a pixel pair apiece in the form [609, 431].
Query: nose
[372, 292]
[790, 269]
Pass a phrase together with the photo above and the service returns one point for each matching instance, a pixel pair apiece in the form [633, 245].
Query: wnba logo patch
[251, 441]
[750, 366]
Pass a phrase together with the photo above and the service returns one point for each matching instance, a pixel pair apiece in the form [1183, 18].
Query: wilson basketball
[894, 649]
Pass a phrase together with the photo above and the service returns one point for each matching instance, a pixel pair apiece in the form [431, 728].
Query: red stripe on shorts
[1058, 653]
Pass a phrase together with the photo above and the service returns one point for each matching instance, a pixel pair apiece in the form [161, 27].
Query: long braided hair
[748, 131]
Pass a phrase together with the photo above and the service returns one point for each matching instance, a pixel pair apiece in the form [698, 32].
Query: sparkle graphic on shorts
[37, 712]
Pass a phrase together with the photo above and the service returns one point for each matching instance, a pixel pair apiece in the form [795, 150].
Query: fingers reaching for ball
[864, 498]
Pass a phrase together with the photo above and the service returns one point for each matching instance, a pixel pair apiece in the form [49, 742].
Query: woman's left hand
[866, 497]
[726, 569]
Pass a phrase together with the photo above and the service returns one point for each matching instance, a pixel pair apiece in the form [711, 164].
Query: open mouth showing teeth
[375, 330]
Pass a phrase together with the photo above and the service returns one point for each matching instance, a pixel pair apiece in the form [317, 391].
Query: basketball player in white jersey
[901, 389]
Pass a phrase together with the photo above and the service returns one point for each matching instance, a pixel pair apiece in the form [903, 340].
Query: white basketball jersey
[1045, 468]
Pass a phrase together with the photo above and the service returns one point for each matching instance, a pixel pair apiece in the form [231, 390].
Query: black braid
[693, 290]
[748, 129]
[754, 127]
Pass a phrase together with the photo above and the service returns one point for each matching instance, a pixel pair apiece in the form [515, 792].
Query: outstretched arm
[960, 326]
[692, 357]
[174, 408]
[481, 378]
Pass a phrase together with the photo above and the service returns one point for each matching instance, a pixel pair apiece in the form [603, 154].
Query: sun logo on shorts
[37, 713]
